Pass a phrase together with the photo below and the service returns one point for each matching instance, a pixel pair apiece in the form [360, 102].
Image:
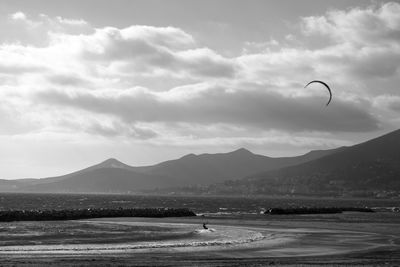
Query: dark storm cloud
[258, 109]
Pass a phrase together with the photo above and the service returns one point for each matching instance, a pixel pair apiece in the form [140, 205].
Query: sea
[198, 204]
[231, 231]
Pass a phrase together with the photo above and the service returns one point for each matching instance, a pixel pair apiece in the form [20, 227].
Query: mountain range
[113, 176]
[371, 166]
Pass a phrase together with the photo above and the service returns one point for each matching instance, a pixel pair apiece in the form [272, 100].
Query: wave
[88, 247]
[206, 238]
[204, 231]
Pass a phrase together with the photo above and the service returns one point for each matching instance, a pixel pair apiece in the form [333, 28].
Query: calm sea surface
[204, 204]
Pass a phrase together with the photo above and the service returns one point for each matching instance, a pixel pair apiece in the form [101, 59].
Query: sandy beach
[241, 240]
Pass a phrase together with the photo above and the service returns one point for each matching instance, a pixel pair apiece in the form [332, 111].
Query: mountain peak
[112, 163]
[188, 156]
[112, 160]
[242, 151]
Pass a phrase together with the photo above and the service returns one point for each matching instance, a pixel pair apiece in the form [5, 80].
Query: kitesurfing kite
[327, 87]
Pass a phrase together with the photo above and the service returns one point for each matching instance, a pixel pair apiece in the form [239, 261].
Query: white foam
[212, 238]
[205, 231]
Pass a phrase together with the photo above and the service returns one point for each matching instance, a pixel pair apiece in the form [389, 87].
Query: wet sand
[240, 240]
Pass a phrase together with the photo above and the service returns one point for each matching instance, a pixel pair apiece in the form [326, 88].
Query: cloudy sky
[146, 81]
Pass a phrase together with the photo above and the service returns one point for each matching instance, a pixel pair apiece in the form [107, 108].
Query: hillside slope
[370, 166]
[210, 168]
[102, 180]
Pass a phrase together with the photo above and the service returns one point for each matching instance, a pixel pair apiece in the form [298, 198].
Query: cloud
[364, 42]
[158, 84]
[377, 63]
[19, 28]
[359, 26]
[70, 79]
[18, 16]
[388, 102]
[356, 60]
[395, 105]
[72, 56]
[218, 105]
[117, 129]
[18, 68]
[145, 49]
[12, 120]
[256, 47]
[15, 60]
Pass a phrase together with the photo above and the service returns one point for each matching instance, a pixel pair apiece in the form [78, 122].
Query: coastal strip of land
[78, 214]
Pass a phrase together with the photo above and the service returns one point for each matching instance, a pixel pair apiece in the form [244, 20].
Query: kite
[327, 87]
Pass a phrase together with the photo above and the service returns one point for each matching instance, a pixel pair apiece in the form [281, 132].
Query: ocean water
[129, 236]
[252, 235]
[200, 205]
[87, 237]
[77, 232]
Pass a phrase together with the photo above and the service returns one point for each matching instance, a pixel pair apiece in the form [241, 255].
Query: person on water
[204, 226]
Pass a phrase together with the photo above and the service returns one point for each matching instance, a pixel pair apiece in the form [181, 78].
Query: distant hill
[211, 168]
[109, 163]
[113, 176]
[109, 176]
[102, 180]
[372, 166]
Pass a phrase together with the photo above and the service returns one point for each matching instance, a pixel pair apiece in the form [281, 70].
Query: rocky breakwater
[75, 214]
[313, 210]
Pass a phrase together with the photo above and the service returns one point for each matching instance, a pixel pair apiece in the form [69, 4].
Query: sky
[146, 81]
